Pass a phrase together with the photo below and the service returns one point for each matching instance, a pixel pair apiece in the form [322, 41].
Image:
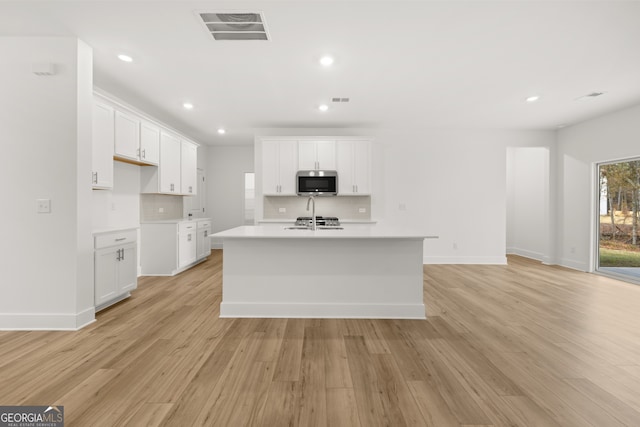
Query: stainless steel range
[324, 221]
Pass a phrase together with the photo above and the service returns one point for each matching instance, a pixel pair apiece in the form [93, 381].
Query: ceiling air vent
[339, 99]
[235, 26]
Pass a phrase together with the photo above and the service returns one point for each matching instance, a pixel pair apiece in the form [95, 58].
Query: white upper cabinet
[189, 168]
[102, 145]
[136, 141]
[354, 167]
[316, 155]
[149, 143]
[177, 171]
[170, 163]
[279, 167]
[127, 136]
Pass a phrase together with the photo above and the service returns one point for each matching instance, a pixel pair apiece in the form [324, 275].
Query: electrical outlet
[362, 210]
[44, 205]
[282, 210]
[160, 210]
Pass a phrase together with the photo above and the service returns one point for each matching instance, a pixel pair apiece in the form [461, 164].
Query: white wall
[119, 207]
[47, 259]
[226, 167]
[527, 201]
[614, 136]
[448, 183]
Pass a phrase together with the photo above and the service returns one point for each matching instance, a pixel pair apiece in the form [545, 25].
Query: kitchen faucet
[313, 212]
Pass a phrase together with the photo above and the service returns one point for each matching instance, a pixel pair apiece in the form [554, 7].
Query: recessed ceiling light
[125, 58]
[323, 107]
[188, 105]
[326, 61]
[221, 131]
[533, 98]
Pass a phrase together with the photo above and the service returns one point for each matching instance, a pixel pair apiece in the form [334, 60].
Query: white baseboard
[526, 253]
[326, 311]
[46, 321]
[574, 264]
[497, 260]
[85, 317]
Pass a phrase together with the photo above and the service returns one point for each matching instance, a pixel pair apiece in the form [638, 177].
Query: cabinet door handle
[121, 239]
[122, 259]
[188, 237]
[206, 233]
[190, 189]
[356, 188]
[118, 257]
[94, 177]
[144, 153]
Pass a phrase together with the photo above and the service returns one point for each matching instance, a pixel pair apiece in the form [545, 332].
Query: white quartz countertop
[113, 229]
[273, 231]
[292, 221]
[174, 221]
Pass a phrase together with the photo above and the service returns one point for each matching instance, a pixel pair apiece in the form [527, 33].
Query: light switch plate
[362, 210]
[44, 205]
[282, 210]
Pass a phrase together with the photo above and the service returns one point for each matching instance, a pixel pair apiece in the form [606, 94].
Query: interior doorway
[249, 198]
[618, 195]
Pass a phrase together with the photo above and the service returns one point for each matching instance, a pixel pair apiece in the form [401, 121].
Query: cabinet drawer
[202, 225]
[185, 227]
[115, 238]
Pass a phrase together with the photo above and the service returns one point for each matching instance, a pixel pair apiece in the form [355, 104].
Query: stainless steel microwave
[317, 183]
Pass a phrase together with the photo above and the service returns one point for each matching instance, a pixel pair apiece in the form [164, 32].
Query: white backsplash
[343, 207]
[152, 204]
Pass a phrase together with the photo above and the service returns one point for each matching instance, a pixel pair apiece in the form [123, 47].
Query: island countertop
[360, 231]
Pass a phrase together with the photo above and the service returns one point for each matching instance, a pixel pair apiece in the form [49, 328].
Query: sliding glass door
[619, 203]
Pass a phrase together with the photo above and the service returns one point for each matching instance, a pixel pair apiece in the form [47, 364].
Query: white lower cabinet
[187, 245]
[115, 266]
[170, 247]
[203, 240]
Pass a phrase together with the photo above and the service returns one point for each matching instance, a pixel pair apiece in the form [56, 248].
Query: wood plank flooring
[517, 345]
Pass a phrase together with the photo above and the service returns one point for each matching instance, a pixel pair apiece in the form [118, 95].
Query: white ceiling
[403, 64]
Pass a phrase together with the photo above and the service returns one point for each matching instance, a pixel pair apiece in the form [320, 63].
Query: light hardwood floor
[522, 344]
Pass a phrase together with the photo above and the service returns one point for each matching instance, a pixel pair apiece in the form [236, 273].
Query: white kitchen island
[358, 272]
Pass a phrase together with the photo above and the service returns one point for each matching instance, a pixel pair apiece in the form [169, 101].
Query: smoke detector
[234, 26]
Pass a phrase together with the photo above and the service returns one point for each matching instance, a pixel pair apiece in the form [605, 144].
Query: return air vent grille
[339, 99]
[234, 26]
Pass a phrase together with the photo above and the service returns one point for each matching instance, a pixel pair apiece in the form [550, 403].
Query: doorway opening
[618, 207]
[249, 198]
